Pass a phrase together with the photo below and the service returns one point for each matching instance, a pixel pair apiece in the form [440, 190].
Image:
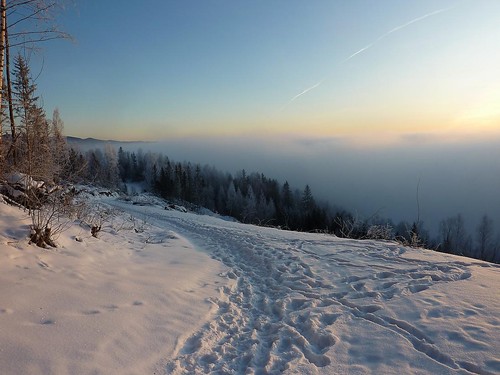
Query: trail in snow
[295, 302]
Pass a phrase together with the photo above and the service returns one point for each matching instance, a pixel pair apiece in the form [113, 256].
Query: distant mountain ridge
[90, 143]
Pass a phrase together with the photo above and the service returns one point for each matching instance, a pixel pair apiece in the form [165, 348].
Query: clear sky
[374, 72]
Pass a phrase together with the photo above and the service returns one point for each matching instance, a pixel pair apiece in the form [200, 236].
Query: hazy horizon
[454, 178]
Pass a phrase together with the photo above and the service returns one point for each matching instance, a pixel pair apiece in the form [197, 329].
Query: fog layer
[450, 178]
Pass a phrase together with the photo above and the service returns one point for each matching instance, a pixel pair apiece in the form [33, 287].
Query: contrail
[361, 50]
[370, 45]
[302, 93]
[397, 28]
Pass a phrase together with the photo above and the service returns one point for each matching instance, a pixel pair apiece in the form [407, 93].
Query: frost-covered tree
[232, 199]
[266, 211]
[74, 169]
[250, 206]
[110, 173]
[58, 147]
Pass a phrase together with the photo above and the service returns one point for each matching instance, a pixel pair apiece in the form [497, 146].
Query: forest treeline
[257, 199]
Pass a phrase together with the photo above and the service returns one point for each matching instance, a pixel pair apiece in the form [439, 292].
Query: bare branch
[37, 40]
[47, 31]
[42, 35]
[16, 4]
[40, 10]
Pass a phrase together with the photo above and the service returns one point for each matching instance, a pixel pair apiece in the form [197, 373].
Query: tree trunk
[3, 24]
[9, 99]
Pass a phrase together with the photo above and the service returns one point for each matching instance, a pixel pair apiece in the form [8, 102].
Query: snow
[23, 180]
[116, 304]
[169, 292]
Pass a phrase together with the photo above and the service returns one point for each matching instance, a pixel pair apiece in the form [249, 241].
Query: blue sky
[163, 69]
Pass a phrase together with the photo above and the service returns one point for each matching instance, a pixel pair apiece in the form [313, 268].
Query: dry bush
[52, 215]
[380, 232]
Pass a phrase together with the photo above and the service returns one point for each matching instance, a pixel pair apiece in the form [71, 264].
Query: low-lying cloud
[455, 177]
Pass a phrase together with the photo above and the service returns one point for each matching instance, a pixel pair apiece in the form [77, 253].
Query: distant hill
[85, 144]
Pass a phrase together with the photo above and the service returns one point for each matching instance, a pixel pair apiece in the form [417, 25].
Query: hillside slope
[177, 293]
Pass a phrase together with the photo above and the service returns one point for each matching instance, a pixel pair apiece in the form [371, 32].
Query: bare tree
[33, 21]
[3, 28]
[25, 23]
[454, 237]
[484, 236]
[12, 148]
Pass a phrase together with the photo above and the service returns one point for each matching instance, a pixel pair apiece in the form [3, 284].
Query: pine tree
[75, 167]
[124, 164]
[308, 203]
[287, 196]
[34, 127]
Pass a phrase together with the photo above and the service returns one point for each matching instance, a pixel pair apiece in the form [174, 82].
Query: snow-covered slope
[268, 301]
[113, 305]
